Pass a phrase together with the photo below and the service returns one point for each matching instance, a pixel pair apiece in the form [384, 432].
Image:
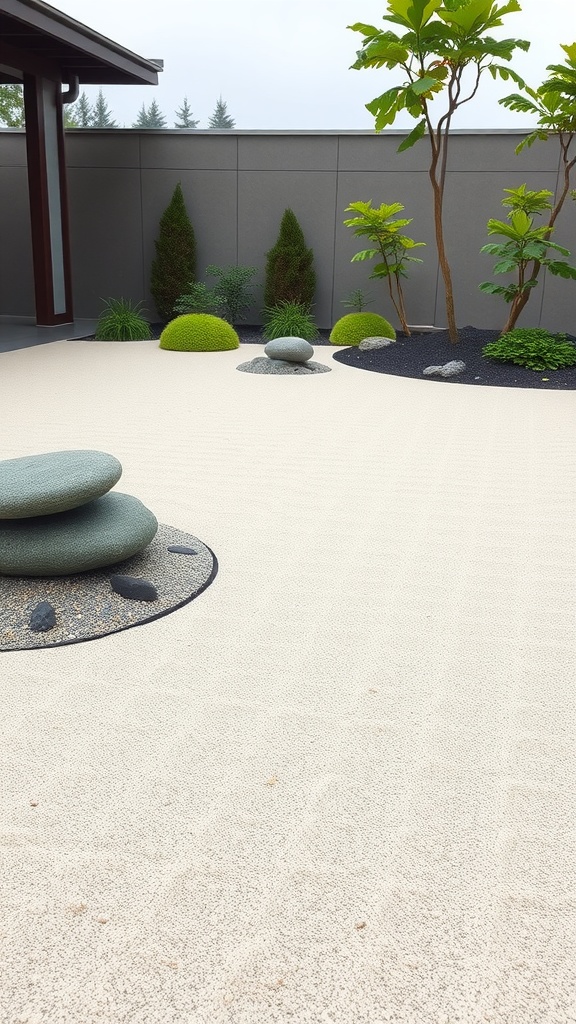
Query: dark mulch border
[410, 355]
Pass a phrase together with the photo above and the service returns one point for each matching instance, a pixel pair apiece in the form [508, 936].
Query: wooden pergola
[52, 55]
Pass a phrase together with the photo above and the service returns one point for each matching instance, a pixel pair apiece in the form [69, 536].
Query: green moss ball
[198, 332]
[354, 327]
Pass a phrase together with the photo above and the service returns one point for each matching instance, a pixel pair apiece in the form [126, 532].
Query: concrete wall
[237, 186]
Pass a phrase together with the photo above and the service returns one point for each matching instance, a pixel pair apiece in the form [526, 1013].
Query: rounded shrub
[198, 332]
[352, 328]
[533, 348]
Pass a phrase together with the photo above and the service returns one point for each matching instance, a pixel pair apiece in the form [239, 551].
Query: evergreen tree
[220, 118]
[101, 114]
[11, 106]
[174, 268]
[184, 116]
[151, 117]
[82, 111]
[290, 275]
[68, 116]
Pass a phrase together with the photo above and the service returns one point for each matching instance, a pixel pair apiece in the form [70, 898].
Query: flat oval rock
[39, 485]
[103, 532]
[181, 549]
[134, 589]
[294, 350]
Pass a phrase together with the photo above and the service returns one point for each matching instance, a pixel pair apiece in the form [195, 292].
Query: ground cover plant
[381, 226]
[534, 348]
[120, 320]
[199, 332]
[175, 263]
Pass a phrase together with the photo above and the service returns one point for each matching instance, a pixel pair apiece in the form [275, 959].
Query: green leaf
[560, 269]
[493, 289]
[415, 135]
[412, 13]
[367, 254]
[367, 30]
[505, 266]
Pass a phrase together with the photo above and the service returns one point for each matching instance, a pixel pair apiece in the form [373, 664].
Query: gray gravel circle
[86, 606]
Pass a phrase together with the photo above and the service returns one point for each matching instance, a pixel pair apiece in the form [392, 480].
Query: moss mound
[354, 327]
[198, 332]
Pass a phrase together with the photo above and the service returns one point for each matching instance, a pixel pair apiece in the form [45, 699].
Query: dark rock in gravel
[133, 589]
[43, 617]
[181, 549]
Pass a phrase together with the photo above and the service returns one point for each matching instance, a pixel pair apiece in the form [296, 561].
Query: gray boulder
[450, 369]
[294, 350]
[103, 532]
[281, 366]
[37, 485]
[370, 344]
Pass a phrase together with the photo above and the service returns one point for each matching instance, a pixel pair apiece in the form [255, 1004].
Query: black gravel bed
[410, 355]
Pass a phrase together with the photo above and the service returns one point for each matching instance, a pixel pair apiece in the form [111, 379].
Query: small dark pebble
[181, 549]
[133, 589]
[42, 618]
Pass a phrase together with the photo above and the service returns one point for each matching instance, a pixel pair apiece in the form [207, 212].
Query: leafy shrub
[533, 348]
[352, 328]
[290, 275]
[356, 300]
[235, 296]
[199, 299]
[289, 320]
[121, 321]
[175, 262]
[198, 332]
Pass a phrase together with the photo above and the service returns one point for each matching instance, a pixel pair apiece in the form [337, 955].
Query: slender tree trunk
[398, 306]
[443, 260]
[405, 327]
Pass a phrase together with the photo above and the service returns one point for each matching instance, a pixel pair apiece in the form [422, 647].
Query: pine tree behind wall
[221, 118]
[184, 115]
[290, 275]
[174, 267]
[101, 114]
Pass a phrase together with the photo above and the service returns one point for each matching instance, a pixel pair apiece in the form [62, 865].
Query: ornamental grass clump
[533, 348]
[121, 321]
[289, 320]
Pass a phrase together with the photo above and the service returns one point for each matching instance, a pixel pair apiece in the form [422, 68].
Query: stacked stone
[285, 356]
[59, 517]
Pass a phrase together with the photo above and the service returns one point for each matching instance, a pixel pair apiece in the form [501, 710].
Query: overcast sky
[285, 63]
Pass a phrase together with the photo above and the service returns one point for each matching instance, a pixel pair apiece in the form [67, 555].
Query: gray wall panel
[237, 186]
[16, 269]
[287, 153]
[189, 151]
[106, 236]
[210, 198]
[262, 198]
[102, 148]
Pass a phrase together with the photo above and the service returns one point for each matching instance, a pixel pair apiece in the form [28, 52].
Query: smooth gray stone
[294, 350]
[281, 366]
[38, 485]
[181, 549]
[43, 617]
[450, 369]
[133, 588]
[103, 532]
[370, 344]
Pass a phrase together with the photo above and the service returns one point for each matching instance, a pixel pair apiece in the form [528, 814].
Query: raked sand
[338, 787]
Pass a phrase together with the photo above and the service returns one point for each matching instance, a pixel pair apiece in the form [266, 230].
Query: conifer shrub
[533, 348]
[199, 332]
[290, 274]
[174, 266]
[352, 328]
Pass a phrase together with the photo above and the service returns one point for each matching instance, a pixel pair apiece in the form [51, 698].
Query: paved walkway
[339, 786]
